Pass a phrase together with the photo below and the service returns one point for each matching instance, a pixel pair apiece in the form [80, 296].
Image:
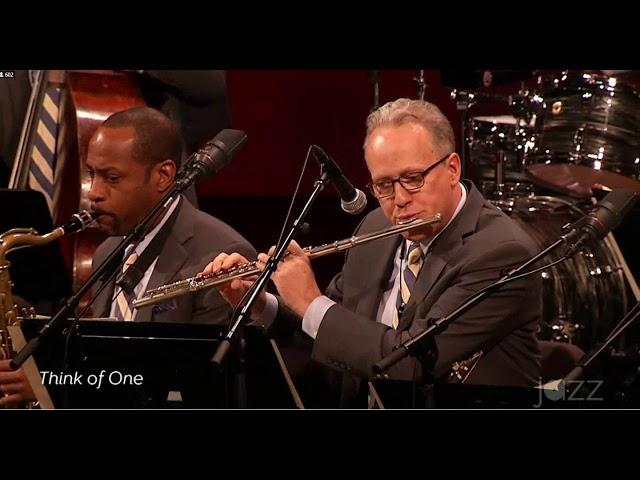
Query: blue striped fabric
[43, 154]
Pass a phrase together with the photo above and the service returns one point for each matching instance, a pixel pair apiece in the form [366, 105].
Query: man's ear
[453, 166]
[166, 174]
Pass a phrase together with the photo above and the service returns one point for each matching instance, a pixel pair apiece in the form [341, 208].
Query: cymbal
[577, 180]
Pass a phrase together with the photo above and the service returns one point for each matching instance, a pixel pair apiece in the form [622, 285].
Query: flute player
[387, 290]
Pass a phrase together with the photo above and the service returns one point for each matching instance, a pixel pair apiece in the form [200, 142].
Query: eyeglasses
[411, 181]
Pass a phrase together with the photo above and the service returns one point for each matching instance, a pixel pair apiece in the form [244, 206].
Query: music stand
[156, 365]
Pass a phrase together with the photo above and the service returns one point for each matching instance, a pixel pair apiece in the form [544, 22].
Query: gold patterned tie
[407, 280]
[124, 300]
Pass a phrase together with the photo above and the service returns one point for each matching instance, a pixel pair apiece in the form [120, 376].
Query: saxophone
[13, 240]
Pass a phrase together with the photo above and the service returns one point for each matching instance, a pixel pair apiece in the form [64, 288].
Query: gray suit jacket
[474, 250]
[196, 238]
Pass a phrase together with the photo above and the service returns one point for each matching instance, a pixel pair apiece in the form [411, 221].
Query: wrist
[304, 305]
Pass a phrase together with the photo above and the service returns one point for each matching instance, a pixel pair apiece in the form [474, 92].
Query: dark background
[285, 111]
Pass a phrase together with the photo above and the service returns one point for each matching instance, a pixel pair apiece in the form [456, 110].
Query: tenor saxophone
[13, 240]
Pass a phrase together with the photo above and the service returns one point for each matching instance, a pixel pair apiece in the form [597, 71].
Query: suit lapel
[381, 267]
[102, 304]
[442, 252]
[173, 256]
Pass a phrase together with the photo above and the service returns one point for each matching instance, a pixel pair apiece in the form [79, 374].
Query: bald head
[155, 137]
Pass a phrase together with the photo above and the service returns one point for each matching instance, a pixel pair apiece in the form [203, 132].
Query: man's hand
[294, 279]
[235, 290]
[14, 387]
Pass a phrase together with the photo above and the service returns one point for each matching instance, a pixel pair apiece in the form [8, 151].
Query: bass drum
[584, 297]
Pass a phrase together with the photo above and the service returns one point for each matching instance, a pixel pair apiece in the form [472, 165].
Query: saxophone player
[132, 160]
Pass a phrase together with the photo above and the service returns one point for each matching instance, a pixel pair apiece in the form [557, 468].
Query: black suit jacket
[195, 239]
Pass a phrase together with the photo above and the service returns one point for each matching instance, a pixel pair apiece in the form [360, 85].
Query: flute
[200, 282]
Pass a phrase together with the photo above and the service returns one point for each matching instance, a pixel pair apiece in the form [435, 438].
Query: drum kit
[572, 137]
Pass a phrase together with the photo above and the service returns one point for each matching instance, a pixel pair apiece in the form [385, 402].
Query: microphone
[354, 201]
[605, 216]
[211, 158]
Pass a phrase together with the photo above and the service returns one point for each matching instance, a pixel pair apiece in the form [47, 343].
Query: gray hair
[423, 113]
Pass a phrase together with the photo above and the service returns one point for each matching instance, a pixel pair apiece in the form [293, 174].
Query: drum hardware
[587, 134]
[421, 84]
[571, 135]
[374, 77]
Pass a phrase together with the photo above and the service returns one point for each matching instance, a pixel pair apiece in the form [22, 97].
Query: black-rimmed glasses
[411, 181]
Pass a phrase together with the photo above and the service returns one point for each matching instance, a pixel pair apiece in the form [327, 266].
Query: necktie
[43, 154]
[124, 300]
[407, 280]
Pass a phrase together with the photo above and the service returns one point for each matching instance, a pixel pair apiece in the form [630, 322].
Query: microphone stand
[56, 322]
[374, 76]
[585, 361]
[464, 101]
[243, 310]
[423, 347]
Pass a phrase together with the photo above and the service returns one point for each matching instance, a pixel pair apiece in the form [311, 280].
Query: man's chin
[108, 229]
[418, 235]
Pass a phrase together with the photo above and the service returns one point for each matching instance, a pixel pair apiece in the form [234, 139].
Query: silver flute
[199, 282]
